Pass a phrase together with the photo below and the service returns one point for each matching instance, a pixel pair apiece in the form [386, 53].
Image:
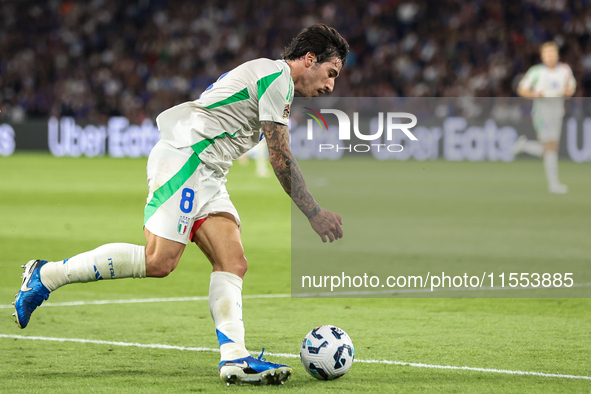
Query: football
[327, 352]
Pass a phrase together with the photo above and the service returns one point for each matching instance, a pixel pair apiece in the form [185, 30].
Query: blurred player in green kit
[547, 83]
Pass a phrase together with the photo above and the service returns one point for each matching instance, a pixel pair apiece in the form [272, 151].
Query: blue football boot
[32, 293]
[254, 371]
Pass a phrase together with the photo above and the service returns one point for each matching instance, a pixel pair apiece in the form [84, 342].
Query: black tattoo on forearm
[286, 168]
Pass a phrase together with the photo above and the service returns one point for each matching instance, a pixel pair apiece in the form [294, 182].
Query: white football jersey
[550, 82]
[225, 121]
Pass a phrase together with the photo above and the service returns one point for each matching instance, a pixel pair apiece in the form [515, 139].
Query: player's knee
[160, 266]
[241, 266]
[162, 271]
[236, 265]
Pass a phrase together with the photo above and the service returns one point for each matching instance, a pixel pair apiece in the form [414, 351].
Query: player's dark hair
[319, 39]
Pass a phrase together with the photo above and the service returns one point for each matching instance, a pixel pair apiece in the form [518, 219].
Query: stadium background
[93, 60]
[96, 60]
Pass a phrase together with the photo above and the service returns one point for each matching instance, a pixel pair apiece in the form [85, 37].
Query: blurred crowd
[100, 58]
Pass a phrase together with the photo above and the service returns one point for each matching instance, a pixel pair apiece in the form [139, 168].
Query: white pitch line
[289, 355]
[146, 300]
[97, 342]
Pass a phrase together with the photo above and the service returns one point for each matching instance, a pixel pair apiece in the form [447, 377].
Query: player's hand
[328, 225]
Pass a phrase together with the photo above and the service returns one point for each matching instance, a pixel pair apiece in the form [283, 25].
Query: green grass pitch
[54, 208]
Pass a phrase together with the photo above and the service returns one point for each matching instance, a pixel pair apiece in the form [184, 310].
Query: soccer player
[549, 79]
[188, 201]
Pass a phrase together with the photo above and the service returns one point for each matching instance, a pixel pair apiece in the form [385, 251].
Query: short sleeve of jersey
[530, 79]
[275, 100]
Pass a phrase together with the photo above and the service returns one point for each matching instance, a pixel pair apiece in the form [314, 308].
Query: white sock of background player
[551, 168]
[111, 261]
[262, 160]
[225, 305]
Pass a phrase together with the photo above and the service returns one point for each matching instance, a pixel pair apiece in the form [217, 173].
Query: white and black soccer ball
[327, 352]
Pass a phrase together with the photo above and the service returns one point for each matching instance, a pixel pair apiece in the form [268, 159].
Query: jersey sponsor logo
[286, 111]
[183, 225]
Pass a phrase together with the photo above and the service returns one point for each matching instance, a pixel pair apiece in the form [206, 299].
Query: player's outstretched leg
[111, 261]
[219, 239]
[534, 148]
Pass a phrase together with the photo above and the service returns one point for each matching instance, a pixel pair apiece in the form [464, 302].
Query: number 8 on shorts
[188, 195]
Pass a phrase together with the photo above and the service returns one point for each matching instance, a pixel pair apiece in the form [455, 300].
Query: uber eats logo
[390, 122]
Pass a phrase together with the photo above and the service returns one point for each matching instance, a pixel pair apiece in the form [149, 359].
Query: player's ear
[310, 59]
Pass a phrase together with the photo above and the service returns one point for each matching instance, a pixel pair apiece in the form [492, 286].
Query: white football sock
[551, 167]
[262, 169]
[534, 148]
[262, 160]
[111, 261]
[225, 305]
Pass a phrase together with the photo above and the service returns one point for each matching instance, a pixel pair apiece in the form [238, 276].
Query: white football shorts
[182, 190]
[548, 127]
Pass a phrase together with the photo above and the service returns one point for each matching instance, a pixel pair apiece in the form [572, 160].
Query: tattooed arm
[286, 168]
[325, 223]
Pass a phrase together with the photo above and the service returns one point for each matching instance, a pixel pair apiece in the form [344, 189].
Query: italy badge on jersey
[183, 224]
